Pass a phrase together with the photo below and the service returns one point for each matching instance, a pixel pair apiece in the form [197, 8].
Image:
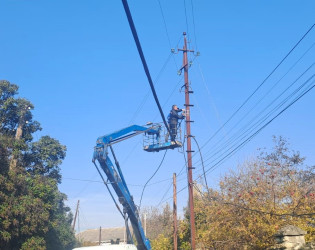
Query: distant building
[107, 235]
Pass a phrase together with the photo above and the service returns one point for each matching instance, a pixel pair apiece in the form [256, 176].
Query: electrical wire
[141, 105]
[235, 137]
[258, 87]
[154, 183]
[179, 191]
[261, 128]
[152, 177]
[194, 25]
[166, 31]
[254, 134]
[169, 187]
[95, 181]
[186, 18]
[144, 63]
[203, 166]
[270, 112]
[116, 204]
[255, 105]
[166, 192]
[170, 95]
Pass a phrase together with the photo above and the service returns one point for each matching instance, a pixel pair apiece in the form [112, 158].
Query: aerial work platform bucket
[161, 141]
[162, 146]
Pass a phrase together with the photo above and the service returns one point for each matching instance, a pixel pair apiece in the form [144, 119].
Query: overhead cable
[148, 92]
[243, 143]
[105, 182]
[193, 18]
[202, 163]
[253, 125]
[222, 126]
[259, 86]
[144, 63]
[186, 18]
[261, 128]
[166, 192]
[152, 177]
[166, 31]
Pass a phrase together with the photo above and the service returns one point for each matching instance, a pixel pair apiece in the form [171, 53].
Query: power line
[148, 92]
[210, 97]
[158, 182]
[186, 17]
[165, 26]
[235, 137]
[166, 192]
[166, 31]
[116, 204]
[218, 163]
[95, 181]
[255, 105]
[270, 112]
[261, 128]
[193, 18]
[152, 176]
[144, 63]
[261, 120]
[203, 167]
[259, 86]
[182, 189]
[169, 187]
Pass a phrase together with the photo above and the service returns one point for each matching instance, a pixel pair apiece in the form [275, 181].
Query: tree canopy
[32, 210]
[252, 203]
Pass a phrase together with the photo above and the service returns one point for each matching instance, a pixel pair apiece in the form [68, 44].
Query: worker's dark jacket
[174, 116]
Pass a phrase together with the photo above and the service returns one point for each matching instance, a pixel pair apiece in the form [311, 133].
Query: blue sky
[78, 64]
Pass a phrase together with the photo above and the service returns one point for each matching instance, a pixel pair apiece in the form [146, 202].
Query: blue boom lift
[154, 142]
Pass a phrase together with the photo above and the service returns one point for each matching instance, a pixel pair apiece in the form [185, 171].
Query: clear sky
[76, 61]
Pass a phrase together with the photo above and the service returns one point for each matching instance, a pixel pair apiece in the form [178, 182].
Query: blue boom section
[126, 133]
[117, 180]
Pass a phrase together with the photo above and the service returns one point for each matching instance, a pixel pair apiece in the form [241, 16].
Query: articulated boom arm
[116, 177]
[126, 133]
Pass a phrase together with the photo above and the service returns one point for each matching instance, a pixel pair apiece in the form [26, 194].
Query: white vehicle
[109, 247]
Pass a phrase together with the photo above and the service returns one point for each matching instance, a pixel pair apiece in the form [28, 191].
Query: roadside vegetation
[249, 206]
[32, 210]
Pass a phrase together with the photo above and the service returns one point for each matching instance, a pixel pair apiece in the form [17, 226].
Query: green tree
[256, 200]
[159, 226]
[32, 210]
[44, 158]
[13, 109]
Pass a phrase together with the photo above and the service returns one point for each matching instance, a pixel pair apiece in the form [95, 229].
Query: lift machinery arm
[117, 180]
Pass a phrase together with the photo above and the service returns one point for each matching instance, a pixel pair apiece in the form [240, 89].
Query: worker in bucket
[173, 118]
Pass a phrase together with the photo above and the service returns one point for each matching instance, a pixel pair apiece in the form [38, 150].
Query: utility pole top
[184, 33]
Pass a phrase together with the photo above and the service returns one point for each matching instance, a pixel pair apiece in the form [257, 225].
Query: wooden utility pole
[76, 214]
[100, 237]
[189, 151]
[174, 212]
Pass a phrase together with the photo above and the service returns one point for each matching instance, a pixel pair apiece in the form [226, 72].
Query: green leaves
[32, 210]
[255, 201]
[44, 158]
